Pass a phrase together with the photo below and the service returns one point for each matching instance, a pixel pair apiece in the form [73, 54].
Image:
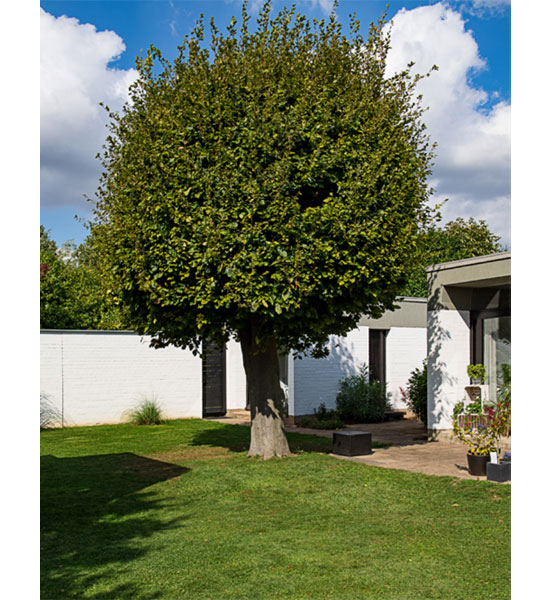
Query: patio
[410, 450]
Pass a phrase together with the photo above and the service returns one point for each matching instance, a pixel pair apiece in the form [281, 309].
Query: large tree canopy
[269, 188]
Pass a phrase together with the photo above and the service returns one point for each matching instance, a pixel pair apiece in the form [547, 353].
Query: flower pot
[499, 472]
[477, 465]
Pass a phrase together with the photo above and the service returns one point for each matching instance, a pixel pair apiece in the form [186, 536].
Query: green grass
[179, 511]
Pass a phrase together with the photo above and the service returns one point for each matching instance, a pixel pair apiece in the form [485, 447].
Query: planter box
[351, 443]
[499, 472]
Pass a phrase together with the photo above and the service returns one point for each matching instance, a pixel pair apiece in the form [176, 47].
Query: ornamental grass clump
[50, 416]
[147, 413]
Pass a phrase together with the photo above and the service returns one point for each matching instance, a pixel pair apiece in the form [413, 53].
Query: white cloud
[324, 5]
[255, 5]
[472, 167]
[74, 77]
[481, 8]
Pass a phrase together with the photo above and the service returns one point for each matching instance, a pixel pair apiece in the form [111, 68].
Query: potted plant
[474, 432]
[501, 427]
[477, 374]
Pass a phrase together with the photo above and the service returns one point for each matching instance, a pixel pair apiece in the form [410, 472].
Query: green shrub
[417, 393]
[324, 414]
[326, 418]
[147, 413]
[314, 423]
[361, 399]
[323, 418]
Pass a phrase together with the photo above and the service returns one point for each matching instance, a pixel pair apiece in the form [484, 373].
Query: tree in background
[72, 295]
[56, 287]
[456, 240]
[269, 188]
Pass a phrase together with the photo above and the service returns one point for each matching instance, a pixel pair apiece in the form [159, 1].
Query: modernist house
[392, 347]
[92, 377]
[469, 322]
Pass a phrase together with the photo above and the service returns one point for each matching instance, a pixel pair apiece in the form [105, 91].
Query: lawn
[179, 511]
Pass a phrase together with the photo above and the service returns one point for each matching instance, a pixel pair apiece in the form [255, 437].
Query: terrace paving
[410, 450]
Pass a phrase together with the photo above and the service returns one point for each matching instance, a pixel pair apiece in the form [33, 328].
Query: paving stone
[410, 450]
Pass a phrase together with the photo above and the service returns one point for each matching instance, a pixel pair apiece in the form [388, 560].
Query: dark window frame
[476, 330]
[214, 381]
[377, 354]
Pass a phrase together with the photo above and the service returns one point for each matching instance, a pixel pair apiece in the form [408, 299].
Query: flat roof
[410, 312]
[467, 262]
[475, 283]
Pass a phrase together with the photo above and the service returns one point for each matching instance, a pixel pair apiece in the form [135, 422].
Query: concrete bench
[351, 443]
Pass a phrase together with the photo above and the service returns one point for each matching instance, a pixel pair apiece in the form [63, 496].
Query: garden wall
[92, 377]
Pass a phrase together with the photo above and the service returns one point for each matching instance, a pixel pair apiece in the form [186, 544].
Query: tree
[72, 295]
[456, 240]
[269, 188]
[56, 293]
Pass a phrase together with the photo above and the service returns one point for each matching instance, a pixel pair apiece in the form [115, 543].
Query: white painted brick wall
[100, 375]
[51, 370]
[448, 358]
[406, 348]
[316, 380]
[235, 377]
[108, 373]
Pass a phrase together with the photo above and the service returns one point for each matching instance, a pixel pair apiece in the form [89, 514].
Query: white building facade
[469, 322]
[95, 377]
[392, 347]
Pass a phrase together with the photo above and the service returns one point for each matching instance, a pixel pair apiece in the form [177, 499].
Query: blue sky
[88, 51]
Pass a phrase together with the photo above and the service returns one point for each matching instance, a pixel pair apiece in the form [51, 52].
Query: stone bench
[351, 443]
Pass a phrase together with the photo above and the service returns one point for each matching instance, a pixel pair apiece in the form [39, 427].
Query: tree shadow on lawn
[95, 517]
[236, 438]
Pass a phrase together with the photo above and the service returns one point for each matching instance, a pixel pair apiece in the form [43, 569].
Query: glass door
[497, 347]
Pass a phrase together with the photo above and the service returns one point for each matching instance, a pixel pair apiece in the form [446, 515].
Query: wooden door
[213, 382]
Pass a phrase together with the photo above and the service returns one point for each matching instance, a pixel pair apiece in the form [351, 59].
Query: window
[377, 354]
[491, 344]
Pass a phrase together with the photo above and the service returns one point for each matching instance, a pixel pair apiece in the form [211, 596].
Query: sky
[87, 56]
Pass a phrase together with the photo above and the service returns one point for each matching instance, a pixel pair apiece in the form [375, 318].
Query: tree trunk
[261, 364]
